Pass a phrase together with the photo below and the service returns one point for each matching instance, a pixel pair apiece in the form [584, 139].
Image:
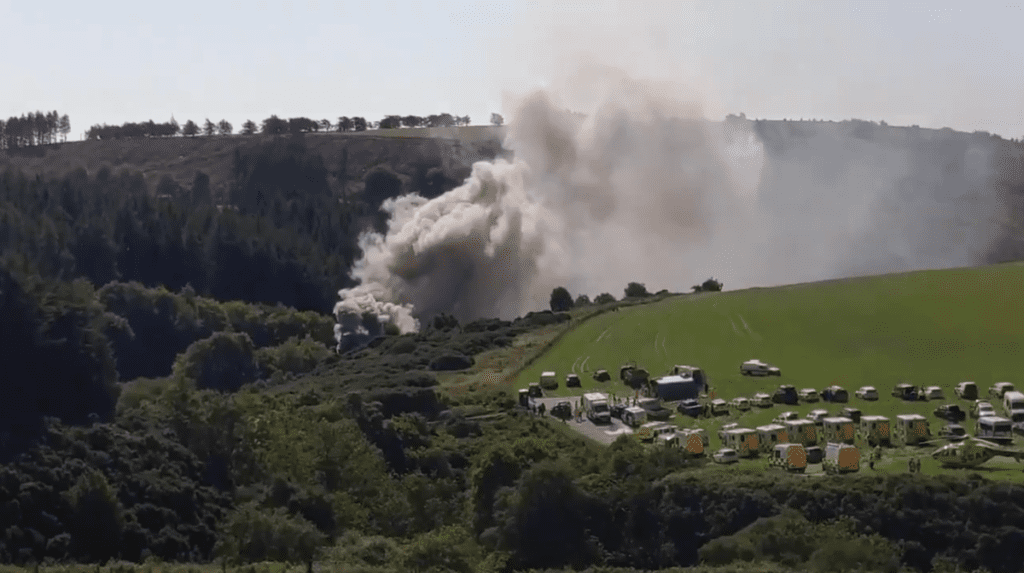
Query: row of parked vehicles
[790, 446]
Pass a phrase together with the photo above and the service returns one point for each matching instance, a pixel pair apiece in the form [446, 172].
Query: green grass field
[928, 328]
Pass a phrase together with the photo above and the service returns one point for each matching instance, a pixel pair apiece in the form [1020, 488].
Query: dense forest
[172, 392]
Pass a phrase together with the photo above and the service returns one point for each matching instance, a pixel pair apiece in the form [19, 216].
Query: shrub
[252, 535]
[294, 356]
[98, 518]
[224, 361]
[445, 549]
[451, 362]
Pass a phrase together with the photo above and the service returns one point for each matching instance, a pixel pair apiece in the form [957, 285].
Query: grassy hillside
[931, 327]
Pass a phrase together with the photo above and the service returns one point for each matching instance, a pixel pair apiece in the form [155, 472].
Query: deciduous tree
[561, 300]
[636, 290]
[274, 125]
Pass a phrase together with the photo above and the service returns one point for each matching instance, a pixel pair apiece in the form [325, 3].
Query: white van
[1013, 401]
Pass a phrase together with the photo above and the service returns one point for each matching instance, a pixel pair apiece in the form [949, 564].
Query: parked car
[562, 410]
[818, 416]
[756, 367]
[867, 393]
[808, 395]
[982, 408]
[719, 407]
[953, 432]
[725, 428]
[785, 394]
[762, 400]
[999, 388]
[726, 456]
[786, 417]
[835, 394]
[572, 381]
[740, 403]
[967, 390]
[602, 376]
[634, 416]
[934, 393]
[951, 412]
[905, 392]
[851, 413]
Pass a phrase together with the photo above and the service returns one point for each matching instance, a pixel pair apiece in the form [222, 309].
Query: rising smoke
[642, 188]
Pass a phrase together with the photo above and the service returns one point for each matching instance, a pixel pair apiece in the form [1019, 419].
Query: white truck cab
[755, 367]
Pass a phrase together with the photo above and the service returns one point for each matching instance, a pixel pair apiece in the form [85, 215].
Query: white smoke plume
[641, 187]
[621, 195]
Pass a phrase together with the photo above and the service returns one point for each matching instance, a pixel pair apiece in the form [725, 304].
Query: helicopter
[973, 452]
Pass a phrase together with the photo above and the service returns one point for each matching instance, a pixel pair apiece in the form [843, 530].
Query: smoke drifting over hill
[642, 188]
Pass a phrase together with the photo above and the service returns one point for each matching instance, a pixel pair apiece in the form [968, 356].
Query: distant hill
[842, 165]
[454, 149]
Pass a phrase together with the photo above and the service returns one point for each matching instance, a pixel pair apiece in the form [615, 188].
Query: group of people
[915, 465]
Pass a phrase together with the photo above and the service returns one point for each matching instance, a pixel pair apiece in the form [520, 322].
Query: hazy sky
[936, 64]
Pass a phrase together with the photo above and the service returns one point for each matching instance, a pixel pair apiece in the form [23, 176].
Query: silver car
[817, 416]
[726, 456]
[808, 395]
[786, 417]
[867, 393]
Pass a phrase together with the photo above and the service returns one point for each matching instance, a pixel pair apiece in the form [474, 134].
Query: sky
[935, 64]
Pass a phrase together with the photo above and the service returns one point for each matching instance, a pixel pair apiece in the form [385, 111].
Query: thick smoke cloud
[641, 188]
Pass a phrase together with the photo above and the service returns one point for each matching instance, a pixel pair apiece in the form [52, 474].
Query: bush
[545, 318]
[224, 361]
[444, 322]
[98, 518]
[604, 298]
[445, 549]
[294, 356]
[403, 345]
[355, 548]
[451, 362]
[252, 535]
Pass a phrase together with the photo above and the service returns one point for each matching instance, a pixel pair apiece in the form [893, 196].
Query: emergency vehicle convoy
[667, 412]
